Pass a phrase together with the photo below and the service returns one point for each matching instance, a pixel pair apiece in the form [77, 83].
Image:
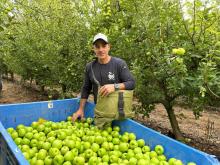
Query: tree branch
[211, 92]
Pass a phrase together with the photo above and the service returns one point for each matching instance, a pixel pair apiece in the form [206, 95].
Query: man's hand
[106, 89]
[78, 113]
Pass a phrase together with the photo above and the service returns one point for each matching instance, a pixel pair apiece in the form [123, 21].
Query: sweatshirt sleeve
[126, 76]
[87, 84]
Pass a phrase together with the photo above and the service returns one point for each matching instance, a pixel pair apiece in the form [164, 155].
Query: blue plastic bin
[13, 114]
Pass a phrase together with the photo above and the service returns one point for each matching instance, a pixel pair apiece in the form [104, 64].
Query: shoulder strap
[93, 75]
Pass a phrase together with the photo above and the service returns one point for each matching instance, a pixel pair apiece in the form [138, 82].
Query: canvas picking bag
[115, 106]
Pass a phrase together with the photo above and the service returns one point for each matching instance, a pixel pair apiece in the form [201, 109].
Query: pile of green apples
[81, 142]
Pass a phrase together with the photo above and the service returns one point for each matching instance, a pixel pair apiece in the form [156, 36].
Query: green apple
[123, 147]
[116, 128]
[58, 160]
[34, 124]
[18, 140]
[115, 134]
[33, 160]
[68, 156]
[79, 160]
[51, 134]
[89, 153]
[180, 51]
[42, 154]
[75, 151]
[95, 147]
[178, 162]
[105, 145]
[40, 144]
[115, 141]
[133, 161]
[61, 135]
[174, 51]
[53, 152]
[191, 163]
[133, 144]
[108, 129]
[57, 144]
[47, 130]
[137, 150]
[163, 162]
[25, 148]
[99, 139]
[29, 135]
[159, 149]
[67, 163]
[146, 156]
[153, 154]
[154, 160]
[141, 142]
[69, 118]
[132, 136]
[64, 150]
[46, 145]
[125, 138]
[40, 162]
[104, 133]
[143, 162]
[130, 154]
[113, 158]
[21, 132]
[34, 143]
[20, 126]
[40, 128]
[162, 157]
[145, 149]
[89, 120]
[10, 130]
[105, 158]
[78, 144]
[80, 133]
[171, 161]
[93, 160]
[14, 135]
[139, 156]
[29, 129]
[70, 144]
[48, 160]
[101, 152]
[109, 138]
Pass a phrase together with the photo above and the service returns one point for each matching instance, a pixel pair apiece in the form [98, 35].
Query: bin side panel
[10, 154]
[14, 114]
[172, 147]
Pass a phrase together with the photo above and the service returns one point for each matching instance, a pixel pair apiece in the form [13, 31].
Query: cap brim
[100, 39]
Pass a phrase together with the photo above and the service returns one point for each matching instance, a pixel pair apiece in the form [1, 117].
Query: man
[104, 75]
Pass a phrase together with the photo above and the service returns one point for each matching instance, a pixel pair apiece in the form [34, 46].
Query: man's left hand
[106, 89]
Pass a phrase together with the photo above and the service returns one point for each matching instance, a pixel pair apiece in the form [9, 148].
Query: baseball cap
[100, 36]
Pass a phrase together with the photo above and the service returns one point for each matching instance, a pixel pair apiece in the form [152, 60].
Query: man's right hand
[77, 114]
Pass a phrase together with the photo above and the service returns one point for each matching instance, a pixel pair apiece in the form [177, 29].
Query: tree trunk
[173, 121]
[63, 88]
[12, 76]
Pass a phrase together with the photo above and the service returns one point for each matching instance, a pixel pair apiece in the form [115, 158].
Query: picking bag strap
[121, 105]
[93, 75]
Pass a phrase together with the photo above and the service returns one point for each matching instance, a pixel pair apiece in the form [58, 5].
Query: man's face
[101, 49]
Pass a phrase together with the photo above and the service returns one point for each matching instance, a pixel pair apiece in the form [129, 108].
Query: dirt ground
[203, 134]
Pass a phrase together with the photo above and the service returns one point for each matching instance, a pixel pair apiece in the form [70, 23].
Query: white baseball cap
[100, 36]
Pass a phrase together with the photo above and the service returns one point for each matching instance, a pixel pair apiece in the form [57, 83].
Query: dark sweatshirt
[115, 71]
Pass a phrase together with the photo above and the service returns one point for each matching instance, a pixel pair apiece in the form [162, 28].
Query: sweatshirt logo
[111, 76]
